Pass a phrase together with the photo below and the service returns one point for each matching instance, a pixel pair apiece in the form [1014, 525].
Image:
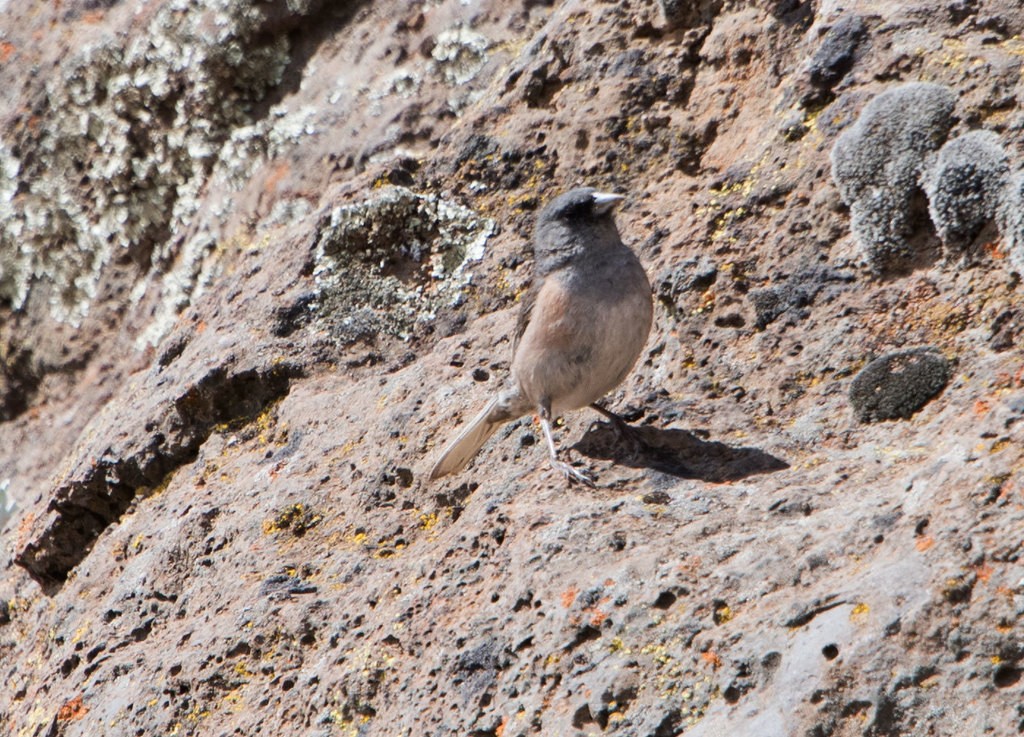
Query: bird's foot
[574, 474]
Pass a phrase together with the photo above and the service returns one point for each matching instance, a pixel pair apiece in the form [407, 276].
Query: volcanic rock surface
[259, 261]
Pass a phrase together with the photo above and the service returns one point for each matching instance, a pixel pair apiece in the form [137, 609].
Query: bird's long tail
[461, 450]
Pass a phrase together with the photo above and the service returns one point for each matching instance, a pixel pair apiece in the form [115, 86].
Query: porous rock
[834, 58]
[222, 522]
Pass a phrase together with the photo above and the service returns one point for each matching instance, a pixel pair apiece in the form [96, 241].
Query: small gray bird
[582, 326]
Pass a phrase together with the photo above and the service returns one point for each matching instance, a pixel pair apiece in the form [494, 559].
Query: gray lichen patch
[266, 139]
[898, 384]
[458, 55]
[385, 265]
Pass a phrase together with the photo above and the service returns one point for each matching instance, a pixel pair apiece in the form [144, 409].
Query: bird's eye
[575, 210]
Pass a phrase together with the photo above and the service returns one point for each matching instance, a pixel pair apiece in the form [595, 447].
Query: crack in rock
[99, 492]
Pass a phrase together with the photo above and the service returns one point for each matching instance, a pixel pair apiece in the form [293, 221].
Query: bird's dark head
[575, 225]
[578, 207]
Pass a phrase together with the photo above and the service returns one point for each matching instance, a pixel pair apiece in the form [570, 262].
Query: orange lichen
[983, 572]
[711, 658]
[72, 710]
[25, 528]
[993, 250]
[277, 174]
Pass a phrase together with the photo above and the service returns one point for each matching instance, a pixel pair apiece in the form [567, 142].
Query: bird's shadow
[676, 452]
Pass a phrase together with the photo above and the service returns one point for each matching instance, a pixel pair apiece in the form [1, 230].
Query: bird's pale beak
[605, 201]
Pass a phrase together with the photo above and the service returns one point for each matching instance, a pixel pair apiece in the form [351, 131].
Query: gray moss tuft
[878, 162]
[898, 384]
[891, 156]
[966, 187]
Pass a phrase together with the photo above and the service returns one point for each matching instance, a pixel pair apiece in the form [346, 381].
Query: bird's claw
[574, 474]
[631, 440]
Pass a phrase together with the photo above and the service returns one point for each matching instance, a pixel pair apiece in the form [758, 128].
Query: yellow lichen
[723, 614]
[295, 518]
[859, 612]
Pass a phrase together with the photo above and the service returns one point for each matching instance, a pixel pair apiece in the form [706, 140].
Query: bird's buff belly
[582, 351]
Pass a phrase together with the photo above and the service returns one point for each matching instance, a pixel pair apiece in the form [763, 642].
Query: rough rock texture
[258, 260]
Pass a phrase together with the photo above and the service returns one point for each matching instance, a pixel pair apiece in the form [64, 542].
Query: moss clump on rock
[891, 156]
[966, 187]
[877, 165]
[898, 384]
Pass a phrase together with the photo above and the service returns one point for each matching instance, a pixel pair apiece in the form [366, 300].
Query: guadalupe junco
[581, 328]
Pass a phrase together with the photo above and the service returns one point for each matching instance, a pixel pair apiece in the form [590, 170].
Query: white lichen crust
[129, 138]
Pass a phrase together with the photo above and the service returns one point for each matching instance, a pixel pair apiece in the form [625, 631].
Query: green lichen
[385, 265]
